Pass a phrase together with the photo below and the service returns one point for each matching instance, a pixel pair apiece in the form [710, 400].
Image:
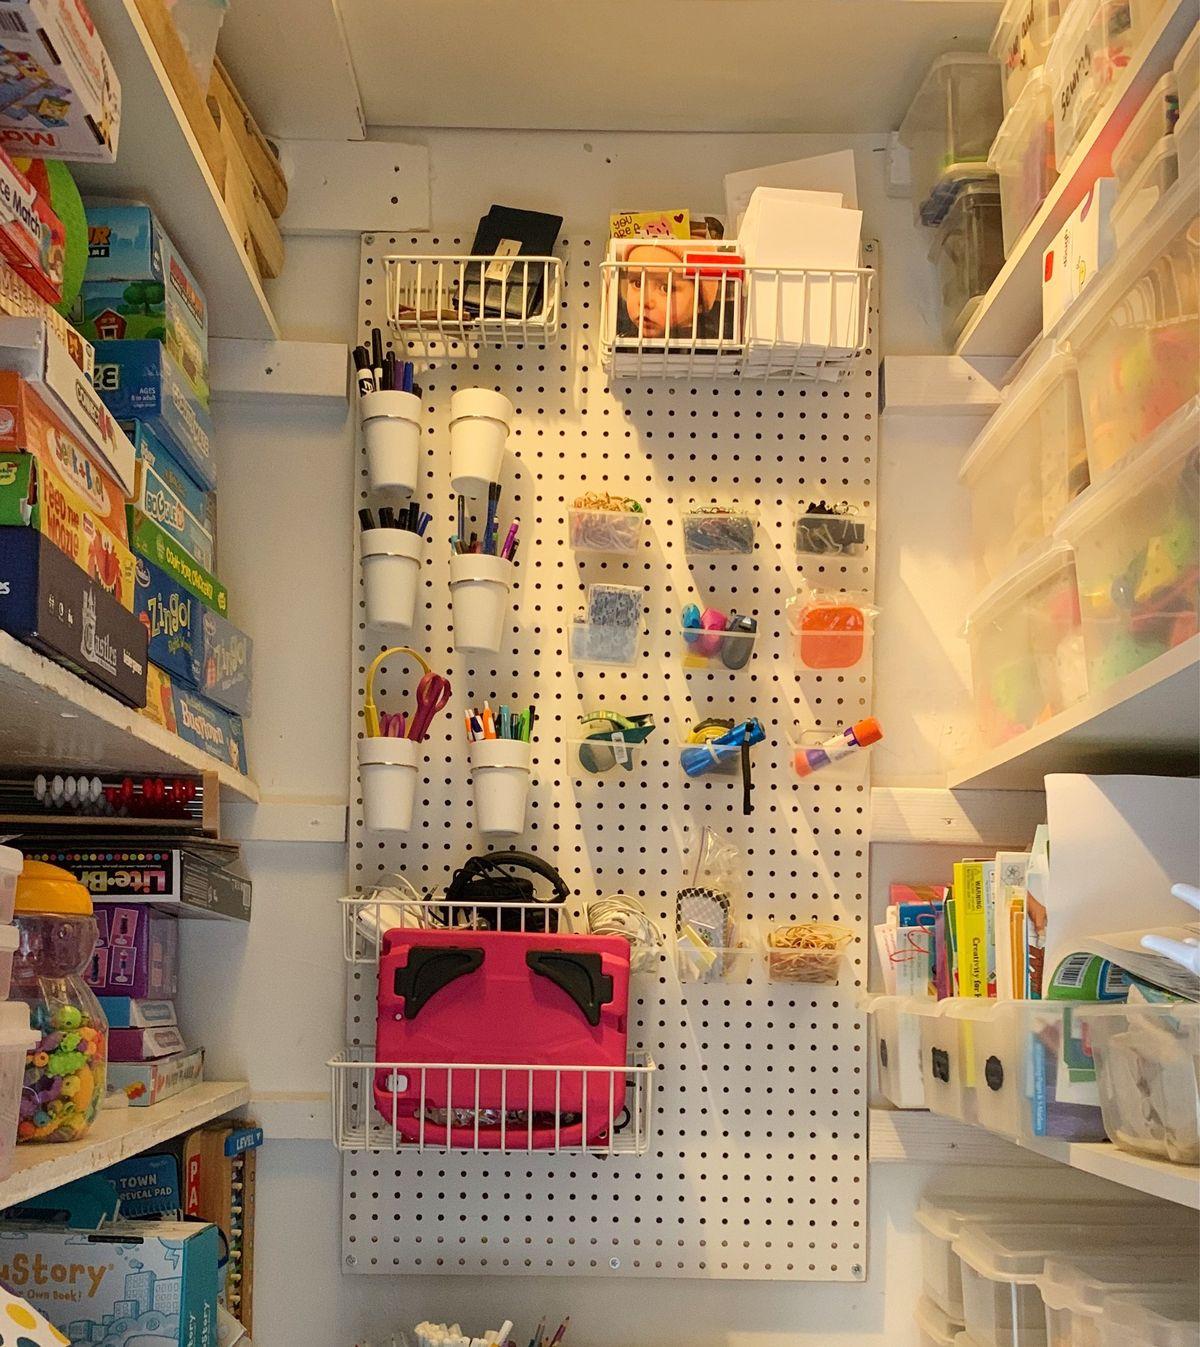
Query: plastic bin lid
[10, 938]
[1187, 51]
[42, 887]
[1081, 1284]
[935, 1323]
[1027, 572]
[1017, 1253]
[1047, 365]
[1166, 1318]
[1168, 446]
[15, 1030]
[929, 92]
[11, 861]
[947, 1217]
[1151, 107]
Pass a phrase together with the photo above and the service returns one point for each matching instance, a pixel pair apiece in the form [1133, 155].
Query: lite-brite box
[131, 1012]
[47, 602]
[31, 347]
[31, 497]
[137, 286]
[161, 550]
[136, 954]
[59, 95]
[191, 642]
[35, 1328]
[147, 1083]
[19, 300]
[158, 500]
[134, 1284]
[32, 239]
[195, 719]
[156, 455]
[140, 381]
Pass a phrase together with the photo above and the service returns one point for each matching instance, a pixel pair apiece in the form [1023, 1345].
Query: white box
[1082, 247]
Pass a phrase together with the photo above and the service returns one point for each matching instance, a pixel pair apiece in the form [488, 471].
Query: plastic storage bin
[1153, 120]
[1023, 157]
[1022, 40]
[896, 1039]
[1187, 70]
[1164, 1319]
[949, 128]
[1075, 1290]
[1137, 558]
[968, 252]
[1016, 1050]
[1157, 174]
[1028, 463]
[1187, 133]
[1147, 1066]
[1027, 651]
[935, 1328]
[945, 1062]
[1093, 45]
[16, 1039]
[11, 862]
[1134, 331]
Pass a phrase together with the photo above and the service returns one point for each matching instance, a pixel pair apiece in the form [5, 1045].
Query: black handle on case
[481, 865]
[429, 969]
[579, 975]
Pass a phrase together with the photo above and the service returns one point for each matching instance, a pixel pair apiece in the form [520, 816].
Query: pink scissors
[433, 692]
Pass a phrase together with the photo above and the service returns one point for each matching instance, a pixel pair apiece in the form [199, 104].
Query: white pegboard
[758, 1166]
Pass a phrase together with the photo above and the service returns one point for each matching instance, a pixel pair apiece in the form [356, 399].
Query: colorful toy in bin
[65, 1070]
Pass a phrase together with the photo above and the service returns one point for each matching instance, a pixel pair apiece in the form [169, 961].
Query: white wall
[286, 513]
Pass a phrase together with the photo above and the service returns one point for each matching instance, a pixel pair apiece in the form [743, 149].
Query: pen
[490, 527]
[470, 727]
[362, 364]
[462, 516]
[509, 540]
[529, 739]
[366, 519]
[413, 515]
[377, 356]
[407, 376]
[423, 523]
[562, 1328]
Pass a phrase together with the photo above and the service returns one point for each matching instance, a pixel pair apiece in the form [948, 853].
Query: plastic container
[1134, 331]
[734, 962]
[1158, 173]
[1187, 70]
[1016, 1051]
[1092, 47]
[1028, 463]
[949, 128]
[1187, 132]
[1144, 1319]
[391, 423]
[1155, 119]
[11, 862]
[1137, 557]
[945, 1057]
[716, 649]
[813, 967]
[896, 1036]
[611, 532]
[1147, 1066]
[1021, 42]
[387, 770]
[479, 424]
[479, 591]
[1023, 157]
[16, 1040]
[604, 643]
[968, 251]
[709, 531]
[9, 941]
[830, 631]
[1027, 651]
[391, 568]
[1075, 1290]
[845, 533]
[65, 1068]
[935, 1328]
[500, 771]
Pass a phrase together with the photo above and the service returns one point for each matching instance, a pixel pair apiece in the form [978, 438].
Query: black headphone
[485, 880]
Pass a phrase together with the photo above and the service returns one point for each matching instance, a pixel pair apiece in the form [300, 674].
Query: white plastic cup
[391, 424]
[387, 769]
[479, 424]
[479, 586]
[500, 779]
[11, 864]
[391, 567]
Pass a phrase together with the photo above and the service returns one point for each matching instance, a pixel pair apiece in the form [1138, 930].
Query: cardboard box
[140, 381]
[200, 879]
[32, 497]
[158, 500]
[161, 550]
[59, 95]
[53, 606]
[19, 300]
[144, 1045]
[192, 643]
[147, 1083]
[146, 1185]
[136, 954]
[31, 347]
[131, 1012]
[32, 238]
[138, 286]
[151, 451]
[1082, 247]
[194, 719]
[158, 1279]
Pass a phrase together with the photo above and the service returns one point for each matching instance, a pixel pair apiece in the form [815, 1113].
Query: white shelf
[977, 818]
[117, 1133]
[1158, 1178]
[1147, 721]
[1010, 315]
[54, 719]
[159, 161]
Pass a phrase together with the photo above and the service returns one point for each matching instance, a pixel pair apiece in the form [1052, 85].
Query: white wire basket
[396, 1106]
[754, 322]
[364, 920]
[440, 303]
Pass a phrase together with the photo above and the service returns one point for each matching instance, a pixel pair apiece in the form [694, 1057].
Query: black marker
[377, 356]
[362, 363]
[366, 519]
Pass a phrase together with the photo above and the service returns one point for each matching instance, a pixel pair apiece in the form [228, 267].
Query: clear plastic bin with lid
[1022, 157]
[1022, 40]
[968, 253]
[1075, 1290]
[1152, 1319]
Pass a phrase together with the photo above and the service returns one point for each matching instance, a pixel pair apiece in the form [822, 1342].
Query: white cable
[621, 914]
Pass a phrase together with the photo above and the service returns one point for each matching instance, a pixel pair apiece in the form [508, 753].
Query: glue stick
[861, 734]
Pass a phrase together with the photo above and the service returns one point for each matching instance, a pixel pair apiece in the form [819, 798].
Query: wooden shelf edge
[919, 815]
[117, 1134]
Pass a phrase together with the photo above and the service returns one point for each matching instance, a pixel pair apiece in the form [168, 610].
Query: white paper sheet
[822, 173]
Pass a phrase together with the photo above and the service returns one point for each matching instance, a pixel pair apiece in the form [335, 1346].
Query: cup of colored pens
[393, 541]
[501, 754]
[483, 552]
[390, 411]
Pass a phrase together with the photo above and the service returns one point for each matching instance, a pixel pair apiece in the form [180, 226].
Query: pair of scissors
[391, 726]
[433, 692]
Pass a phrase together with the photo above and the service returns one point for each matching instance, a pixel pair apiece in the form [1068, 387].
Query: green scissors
[604, 748]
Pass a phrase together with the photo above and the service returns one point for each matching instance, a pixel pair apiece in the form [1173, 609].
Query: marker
[362, 363]
[377, 356]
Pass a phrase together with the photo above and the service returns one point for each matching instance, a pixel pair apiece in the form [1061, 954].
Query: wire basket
[440, 303]
[464, 1106]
